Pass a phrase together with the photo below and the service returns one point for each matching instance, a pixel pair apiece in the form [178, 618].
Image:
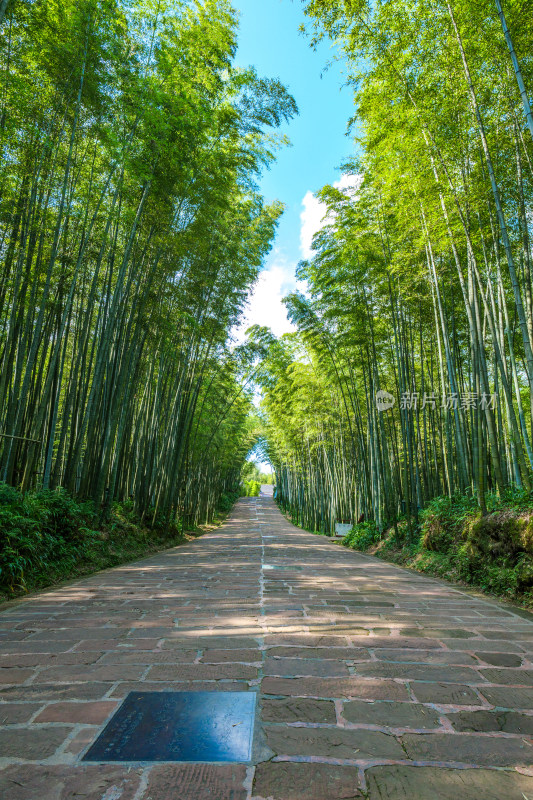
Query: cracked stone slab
[198, 781]
[352, 745]
[392, 715]
[490, 751]
[429, 783]
[287, 780]
[68, 782]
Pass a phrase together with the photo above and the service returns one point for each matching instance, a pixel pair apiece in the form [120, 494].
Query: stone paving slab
[428, 783]
[372, 681]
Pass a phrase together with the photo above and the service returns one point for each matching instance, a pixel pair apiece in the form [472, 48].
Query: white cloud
[278, 279]
[314, 215]
[348, 183]
[264, 304]
[312, 219]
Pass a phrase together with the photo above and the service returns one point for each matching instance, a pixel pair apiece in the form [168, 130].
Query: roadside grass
[48, 537]
[452, 540]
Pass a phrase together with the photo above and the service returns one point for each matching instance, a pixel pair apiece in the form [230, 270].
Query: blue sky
[269, 39]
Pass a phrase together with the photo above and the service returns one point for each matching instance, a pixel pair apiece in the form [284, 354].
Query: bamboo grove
[421, 284]
[131, 230]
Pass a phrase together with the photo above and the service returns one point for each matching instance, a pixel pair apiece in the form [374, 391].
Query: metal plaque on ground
[178, 726]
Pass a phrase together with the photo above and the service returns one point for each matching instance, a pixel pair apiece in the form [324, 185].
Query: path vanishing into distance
[372, 681]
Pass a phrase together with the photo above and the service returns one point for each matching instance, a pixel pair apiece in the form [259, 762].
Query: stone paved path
[374, 682]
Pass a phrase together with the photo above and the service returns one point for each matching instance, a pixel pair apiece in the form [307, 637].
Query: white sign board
[342, 528]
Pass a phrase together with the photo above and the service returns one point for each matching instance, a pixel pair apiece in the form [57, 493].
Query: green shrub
[39, 530]
[502, 534]
[455, 541]
[250, 489]
[46, 536]
[441, 521]
[226, 501]
[362, 536]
